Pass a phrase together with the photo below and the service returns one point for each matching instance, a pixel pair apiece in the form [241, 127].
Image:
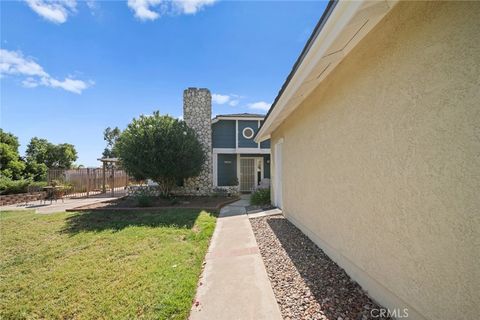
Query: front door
[247, 174]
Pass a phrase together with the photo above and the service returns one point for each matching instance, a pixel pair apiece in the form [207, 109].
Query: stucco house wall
[381, 163]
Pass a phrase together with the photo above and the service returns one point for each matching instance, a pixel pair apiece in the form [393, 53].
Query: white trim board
[241, 150]
[216, 119]
[215, 169]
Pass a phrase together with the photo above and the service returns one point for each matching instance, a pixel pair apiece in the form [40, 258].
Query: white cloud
[231, 99]
[142, 10]
[93, 6]
[234, 103]
[153, 9]
[30, 83]
[260, 105]
[14, 63]
[69, 84]
[220, 98]
[192, 6]
[56, 11]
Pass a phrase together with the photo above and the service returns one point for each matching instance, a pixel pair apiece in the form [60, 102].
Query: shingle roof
[241, 115]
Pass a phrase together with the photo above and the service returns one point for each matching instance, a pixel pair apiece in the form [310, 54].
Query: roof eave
[341, 27]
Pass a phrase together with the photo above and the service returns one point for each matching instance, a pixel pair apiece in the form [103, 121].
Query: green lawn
[101, 265]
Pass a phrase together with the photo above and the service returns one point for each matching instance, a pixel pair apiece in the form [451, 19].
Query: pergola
[105, 162]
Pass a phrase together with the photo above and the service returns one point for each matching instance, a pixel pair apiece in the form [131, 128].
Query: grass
[101, 265]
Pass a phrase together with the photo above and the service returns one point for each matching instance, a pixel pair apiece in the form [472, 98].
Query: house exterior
[233, 159]
[237, 158]
[376, 151]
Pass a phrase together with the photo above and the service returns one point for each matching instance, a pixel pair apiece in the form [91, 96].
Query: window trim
[245, 136]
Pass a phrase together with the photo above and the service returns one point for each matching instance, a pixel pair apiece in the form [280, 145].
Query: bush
[144, 200]
[36, 185]
[260, 197]
[162, 149]
[9, 186]
[144, 197]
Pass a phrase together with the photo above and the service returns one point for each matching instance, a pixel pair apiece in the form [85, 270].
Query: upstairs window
[248, 133]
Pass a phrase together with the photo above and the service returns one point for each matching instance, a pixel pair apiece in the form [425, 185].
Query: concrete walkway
[234, 283]
[58, 206]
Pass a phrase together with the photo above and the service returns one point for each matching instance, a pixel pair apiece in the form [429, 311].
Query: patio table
[53, 193]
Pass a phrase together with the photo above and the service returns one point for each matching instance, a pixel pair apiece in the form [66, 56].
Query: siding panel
[227, 169]
[223, 134]
[243, 142]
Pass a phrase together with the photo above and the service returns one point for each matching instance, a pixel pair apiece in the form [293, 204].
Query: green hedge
[9, 186]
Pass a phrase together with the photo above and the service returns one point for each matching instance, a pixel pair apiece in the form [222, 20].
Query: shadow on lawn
[329, 284]
[117, 220]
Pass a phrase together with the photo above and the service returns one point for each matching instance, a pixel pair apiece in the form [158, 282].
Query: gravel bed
[306, 282]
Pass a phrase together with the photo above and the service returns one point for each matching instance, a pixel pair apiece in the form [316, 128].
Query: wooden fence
[85, 182]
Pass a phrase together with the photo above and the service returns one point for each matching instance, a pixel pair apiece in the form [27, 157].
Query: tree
[41, 151]
[36, 171]
[38, 150]
[111, 136]
[64, 155]
[11, 165]
[160, 148]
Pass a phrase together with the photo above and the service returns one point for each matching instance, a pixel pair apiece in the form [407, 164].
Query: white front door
[278, 174]
[247, 174]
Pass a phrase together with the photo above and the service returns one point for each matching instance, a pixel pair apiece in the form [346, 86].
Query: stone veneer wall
[197, 113]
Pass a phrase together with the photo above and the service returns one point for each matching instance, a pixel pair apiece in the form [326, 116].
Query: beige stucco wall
[381, 163]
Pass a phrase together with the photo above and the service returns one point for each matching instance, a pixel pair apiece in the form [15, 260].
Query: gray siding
[223, 134]
[264, 144]
[246, 143]
[266, 164]
[226, 169]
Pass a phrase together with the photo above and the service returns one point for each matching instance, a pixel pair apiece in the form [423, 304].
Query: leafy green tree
[11, 165]
[111, 136]
[64, 155]
[36, 171]
[38, 149]
[160, 148]
[41, 151]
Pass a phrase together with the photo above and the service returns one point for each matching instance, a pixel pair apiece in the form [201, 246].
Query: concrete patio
[234, 283]
[59, 205]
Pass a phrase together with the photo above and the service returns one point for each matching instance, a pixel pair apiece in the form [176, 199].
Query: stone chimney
[197, 113]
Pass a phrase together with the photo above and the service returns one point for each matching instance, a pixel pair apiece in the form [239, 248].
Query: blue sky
[70, 69]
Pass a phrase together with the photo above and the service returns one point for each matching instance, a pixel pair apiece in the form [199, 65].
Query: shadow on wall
[96, 221]
[332, 288]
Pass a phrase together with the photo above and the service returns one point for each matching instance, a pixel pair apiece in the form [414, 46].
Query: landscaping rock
[306, 282]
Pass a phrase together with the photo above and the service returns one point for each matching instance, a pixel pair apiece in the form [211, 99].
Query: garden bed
[306, 282]
[131, 203]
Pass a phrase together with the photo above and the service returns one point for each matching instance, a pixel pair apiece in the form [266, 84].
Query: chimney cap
[197, 89]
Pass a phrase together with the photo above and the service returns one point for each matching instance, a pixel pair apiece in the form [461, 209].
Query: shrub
[144, 201]
[234, 182]
[160, 148]
[260, 197]
[144, 197]
[9, 186]
[37, 185]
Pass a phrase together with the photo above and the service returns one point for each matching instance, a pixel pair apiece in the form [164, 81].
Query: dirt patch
[130, 203]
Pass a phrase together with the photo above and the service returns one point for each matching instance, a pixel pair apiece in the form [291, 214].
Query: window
[248, 133]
